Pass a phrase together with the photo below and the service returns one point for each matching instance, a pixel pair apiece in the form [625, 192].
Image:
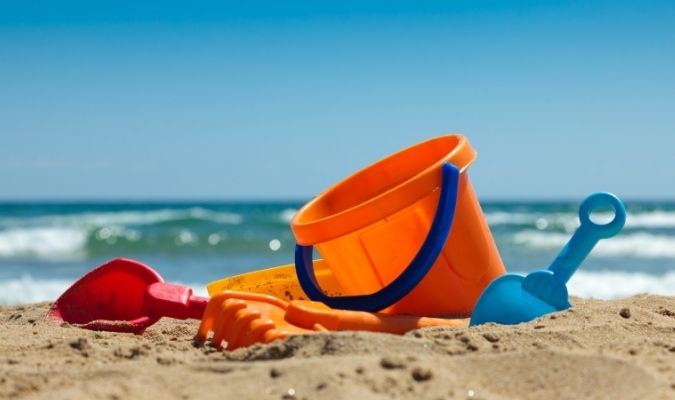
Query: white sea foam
[615, 284]
[639, 244]
[124, 218]
[64, 237]
[43, 243]
[538, 239]
[651, 219]
[29, 290]
[654, 219]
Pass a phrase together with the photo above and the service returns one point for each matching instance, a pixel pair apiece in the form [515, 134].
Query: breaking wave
[58, 244]
[640, 244]
[615, 284]
[76, 236]
[130, 217]
[569, 221]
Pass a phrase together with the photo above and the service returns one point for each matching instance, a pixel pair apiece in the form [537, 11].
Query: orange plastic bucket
[371, 225]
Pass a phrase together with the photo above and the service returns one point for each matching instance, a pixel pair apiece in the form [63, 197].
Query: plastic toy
[512, 299]
[242, 319]
[280, 282]
[405, 236]
[127, 296]
[417, 204]
[124, 296]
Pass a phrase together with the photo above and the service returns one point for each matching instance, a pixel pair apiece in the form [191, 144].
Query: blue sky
[252, 100]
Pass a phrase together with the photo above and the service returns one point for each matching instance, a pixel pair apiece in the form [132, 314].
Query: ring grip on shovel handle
[411, 275]
[588, 234]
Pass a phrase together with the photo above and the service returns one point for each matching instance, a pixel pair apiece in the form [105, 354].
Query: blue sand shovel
[512, 299]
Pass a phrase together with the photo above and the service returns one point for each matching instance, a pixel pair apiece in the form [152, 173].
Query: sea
[46, 246]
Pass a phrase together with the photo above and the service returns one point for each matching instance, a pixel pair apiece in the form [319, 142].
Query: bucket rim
[311, 226]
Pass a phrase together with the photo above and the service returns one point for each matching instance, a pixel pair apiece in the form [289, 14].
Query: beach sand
[594, 350]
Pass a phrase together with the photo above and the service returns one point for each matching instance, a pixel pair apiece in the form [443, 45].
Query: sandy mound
[594, 350]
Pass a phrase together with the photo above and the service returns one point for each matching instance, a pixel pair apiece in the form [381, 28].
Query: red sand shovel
[125, 296]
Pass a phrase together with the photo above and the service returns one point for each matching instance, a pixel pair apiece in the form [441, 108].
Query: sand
[621, 349]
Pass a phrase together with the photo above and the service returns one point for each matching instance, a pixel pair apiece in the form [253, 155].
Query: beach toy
[405, 235]
[127, 296]
[242, 319]
[280, 282]
[512, 298]
[124, 296]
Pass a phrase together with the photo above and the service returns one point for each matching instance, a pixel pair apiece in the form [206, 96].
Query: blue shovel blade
[505, 301]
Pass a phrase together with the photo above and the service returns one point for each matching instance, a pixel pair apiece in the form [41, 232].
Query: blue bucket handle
[411, 276]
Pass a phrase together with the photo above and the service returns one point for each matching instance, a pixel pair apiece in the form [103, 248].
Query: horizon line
[129, 200]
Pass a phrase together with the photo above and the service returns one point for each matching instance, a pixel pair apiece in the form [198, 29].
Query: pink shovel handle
[174, 301]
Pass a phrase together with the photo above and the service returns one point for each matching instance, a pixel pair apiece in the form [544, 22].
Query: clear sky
[249, 99]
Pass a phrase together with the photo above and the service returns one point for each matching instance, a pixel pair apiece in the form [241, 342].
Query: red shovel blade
[110, 297]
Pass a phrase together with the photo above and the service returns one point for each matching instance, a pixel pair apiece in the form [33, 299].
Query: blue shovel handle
[588, 234]
[410, 277]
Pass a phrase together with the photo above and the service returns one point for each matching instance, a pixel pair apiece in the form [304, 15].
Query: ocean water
[44, 247]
